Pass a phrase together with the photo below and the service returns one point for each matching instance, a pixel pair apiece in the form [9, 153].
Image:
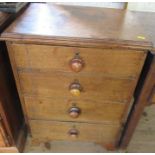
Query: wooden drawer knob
[75, 89]
[76, 64]
[73, 133]
[74, 112]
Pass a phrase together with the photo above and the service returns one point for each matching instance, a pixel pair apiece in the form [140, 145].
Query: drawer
[74, 110]
[53, 130]
[57, 84]
[112, 62]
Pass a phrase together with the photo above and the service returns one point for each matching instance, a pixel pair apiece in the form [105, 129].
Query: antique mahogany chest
[79, 71]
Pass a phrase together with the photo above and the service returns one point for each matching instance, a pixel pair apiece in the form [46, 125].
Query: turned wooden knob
[74, 112]
[73, 133]
[75, 89]
[76, 64]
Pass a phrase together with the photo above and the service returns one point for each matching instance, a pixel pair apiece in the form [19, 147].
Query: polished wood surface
[127, 63]
[76, 25]
[90, 110]
[47, 130]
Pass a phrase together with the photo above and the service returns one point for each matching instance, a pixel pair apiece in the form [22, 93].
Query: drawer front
[52, 130]
[74, 110]
[113, 62]
[96, 88]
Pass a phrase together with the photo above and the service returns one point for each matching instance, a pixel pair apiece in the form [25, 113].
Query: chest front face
[73, 86]
[74, 91]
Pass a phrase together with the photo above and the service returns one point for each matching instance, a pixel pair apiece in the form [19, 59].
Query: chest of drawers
[77, 71]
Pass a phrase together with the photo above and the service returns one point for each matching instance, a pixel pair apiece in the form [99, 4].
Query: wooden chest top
[86, 26]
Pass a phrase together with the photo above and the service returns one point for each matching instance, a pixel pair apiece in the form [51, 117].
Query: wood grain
[58, 109]
[127, 63]
[52, 130]
[57, 84]
[56, 24]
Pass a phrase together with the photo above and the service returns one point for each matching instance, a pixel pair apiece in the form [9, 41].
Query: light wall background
[147, 6]
[135, 6]
[96, 4]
